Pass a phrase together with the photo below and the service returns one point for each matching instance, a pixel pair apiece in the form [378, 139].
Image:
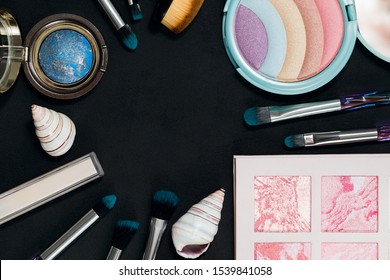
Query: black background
[167, 116]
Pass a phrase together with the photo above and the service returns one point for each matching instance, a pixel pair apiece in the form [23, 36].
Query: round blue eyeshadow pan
[65, 56]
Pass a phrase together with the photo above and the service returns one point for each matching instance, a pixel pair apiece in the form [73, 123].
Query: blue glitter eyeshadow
[65, 56]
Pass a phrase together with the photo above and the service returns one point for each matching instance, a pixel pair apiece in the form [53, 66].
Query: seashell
[55, 131]
[195, 230]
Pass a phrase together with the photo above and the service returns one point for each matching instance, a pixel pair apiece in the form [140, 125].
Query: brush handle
[68, 237]
[112, 13]
[383, 132]
[279, 113]
[340, 137]
[114, 253]
[157, 228]
[358, 101]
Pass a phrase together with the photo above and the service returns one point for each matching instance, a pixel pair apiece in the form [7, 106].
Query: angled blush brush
[97, 212]
[262, 115]
[176, 15]
[312, 139]
[123, 233]
[163, 205]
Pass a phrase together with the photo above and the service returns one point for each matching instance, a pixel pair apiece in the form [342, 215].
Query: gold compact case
[64, 56]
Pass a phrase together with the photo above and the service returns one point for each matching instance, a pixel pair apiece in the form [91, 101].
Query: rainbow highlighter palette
[312, 207]
[296, 46]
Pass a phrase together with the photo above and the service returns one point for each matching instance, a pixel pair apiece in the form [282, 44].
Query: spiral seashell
[195, 230]
[55, 131]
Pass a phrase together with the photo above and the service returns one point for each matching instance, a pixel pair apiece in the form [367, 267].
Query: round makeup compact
[293, 46]
[64, 56]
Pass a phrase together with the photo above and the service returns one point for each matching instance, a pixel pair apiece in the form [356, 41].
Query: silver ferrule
[114, 253]
[279, 113]
[340, 137]
[112, 13]
[157, 228]
[71, 235]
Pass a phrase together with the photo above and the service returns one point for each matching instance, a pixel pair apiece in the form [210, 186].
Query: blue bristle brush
[163, 205]
[128, 36]
[124, 232]
[98, 211]
[135, 10]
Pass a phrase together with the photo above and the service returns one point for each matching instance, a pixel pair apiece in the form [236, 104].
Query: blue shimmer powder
[65, 56]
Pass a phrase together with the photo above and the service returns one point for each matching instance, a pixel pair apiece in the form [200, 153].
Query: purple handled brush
[380, 134]
[263, 115]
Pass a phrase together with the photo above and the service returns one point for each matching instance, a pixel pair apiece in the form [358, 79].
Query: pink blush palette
[312, 207]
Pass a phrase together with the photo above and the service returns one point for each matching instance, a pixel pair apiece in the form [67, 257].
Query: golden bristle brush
[176, 15]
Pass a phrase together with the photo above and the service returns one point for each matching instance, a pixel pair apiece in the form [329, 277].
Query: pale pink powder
[282, 204]
[314, 38]
[349, 204]
[333, 26]
[349, 251]
[282, 251]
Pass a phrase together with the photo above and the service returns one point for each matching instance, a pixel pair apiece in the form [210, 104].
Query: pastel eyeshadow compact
[292, 47]
[64, 56]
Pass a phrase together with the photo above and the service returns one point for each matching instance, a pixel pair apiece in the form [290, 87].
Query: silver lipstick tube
[157, 228]
[112, 13]
[68, 237]
[279, 113]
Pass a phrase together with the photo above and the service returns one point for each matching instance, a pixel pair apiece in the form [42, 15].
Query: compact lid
[374, 26]
[11, 50]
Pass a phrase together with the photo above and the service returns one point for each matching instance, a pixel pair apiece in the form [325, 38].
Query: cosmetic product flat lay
[194, 129]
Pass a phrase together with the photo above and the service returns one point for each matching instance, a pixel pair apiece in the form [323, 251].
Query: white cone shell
[55, 131]
[195, 230]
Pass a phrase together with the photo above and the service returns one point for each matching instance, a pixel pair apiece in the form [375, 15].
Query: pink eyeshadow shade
[349, 251]
[251, 37]
[349, 203]
[282, 203]
[314, 38]
[333, 26]
[282, 251]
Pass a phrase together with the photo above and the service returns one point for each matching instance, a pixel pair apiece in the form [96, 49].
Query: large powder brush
[176, 15]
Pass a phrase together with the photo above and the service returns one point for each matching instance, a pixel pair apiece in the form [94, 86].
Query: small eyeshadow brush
[262, 115]
[311, 139]
[98, 211]
[135, 10]
[124, 232]
[128, 36]
[163, 205]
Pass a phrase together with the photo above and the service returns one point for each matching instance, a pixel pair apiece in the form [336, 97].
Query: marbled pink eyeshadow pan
[282, 251]
[349, 251]
[282, 203]
[349, 203]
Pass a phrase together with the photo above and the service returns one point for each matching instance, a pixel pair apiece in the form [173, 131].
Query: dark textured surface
[167, 116]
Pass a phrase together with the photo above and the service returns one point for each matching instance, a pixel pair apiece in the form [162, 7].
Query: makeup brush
[176, 15]
[98, 211]
[135, 10]
[381, 133]
[124, 232]
[262, 115]
[128, 36]
[163, 205]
